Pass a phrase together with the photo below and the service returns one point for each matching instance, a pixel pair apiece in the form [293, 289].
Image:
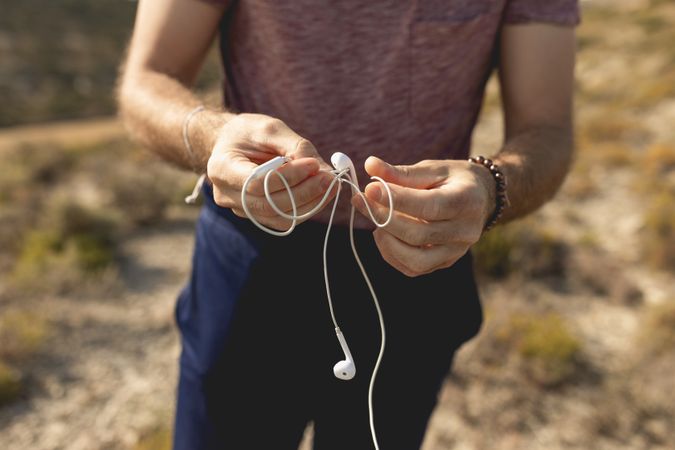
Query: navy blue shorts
[259, 345]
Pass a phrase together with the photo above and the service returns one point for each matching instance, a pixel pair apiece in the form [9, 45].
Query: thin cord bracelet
[186, 138]
[501, 198]
[192, 198]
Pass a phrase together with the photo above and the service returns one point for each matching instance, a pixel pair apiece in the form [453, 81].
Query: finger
[272, 220]
[295, 172]
[239, 212]
[308, 191]
[422, 175]
[409, 229]
[306, 195]
[415, 261]
[428, 204]
[230, 169]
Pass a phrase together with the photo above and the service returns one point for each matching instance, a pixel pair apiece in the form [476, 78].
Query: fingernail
[376, 160]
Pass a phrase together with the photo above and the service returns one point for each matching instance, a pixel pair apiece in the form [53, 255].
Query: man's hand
[248, 140]
[440, 207]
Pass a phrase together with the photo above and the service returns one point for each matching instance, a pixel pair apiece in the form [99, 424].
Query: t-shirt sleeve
[560, 12]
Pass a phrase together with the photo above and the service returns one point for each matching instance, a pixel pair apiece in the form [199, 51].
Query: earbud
[345, 369]
[272, 164]
[342, 162]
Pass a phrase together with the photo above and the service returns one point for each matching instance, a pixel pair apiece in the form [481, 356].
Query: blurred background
[578, 348]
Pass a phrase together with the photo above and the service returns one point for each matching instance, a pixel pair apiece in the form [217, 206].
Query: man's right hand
[248, 140]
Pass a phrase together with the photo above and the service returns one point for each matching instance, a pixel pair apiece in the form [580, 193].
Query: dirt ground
[105, 380]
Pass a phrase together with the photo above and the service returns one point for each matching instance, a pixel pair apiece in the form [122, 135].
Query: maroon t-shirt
[402, 80]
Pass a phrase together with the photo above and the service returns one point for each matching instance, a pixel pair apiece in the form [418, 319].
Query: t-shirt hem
[571, 20]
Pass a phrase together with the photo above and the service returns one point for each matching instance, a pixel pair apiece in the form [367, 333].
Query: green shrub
[94, 252]
[588, 240]
[69, 218]
[652, 23]
[88, 233]
[549, 351]
[30, 164]
[10, 384]
[73, 245]
[46, 256]
[142, 192]
[157, 439]
[493, 253]
[522, 247]
[21, 334]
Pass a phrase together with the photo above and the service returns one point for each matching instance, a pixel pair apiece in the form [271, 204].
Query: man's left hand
[440, 209]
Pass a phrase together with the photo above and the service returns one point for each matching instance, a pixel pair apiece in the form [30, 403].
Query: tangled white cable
[344, 172]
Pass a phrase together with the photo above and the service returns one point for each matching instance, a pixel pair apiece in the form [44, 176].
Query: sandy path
[74, 133]
[111, 371]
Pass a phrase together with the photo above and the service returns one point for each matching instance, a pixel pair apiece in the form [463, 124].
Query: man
[400, 81]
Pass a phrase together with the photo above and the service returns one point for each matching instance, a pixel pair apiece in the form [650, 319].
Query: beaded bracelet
[501, 199]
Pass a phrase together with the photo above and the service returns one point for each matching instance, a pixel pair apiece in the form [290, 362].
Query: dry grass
[82, 200]
[71, 246]
[592, 270]
[549, 352]
[580, 184]
[610, 126]
[141, 193]
[493, 252]
[659, 159]
[658, 329]
[10, 384]
[659, 231]
[613, 155]
[21, 335]
[657, 90]
[29, 170]
[523, 247]
[637, 402]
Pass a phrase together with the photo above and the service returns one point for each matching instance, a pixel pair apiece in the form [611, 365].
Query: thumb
[423, 175]
[230, 168]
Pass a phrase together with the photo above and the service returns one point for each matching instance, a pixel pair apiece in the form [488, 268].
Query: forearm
[535, 162]
[154, 106]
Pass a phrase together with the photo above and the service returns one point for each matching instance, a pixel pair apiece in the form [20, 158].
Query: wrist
[487, 182]
[203, 133]
[493, 179]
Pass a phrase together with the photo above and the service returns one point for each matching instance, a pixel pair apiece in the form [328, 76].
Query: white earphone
[344, 172]
[272, 164]
[343, 162]
[345, 369]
